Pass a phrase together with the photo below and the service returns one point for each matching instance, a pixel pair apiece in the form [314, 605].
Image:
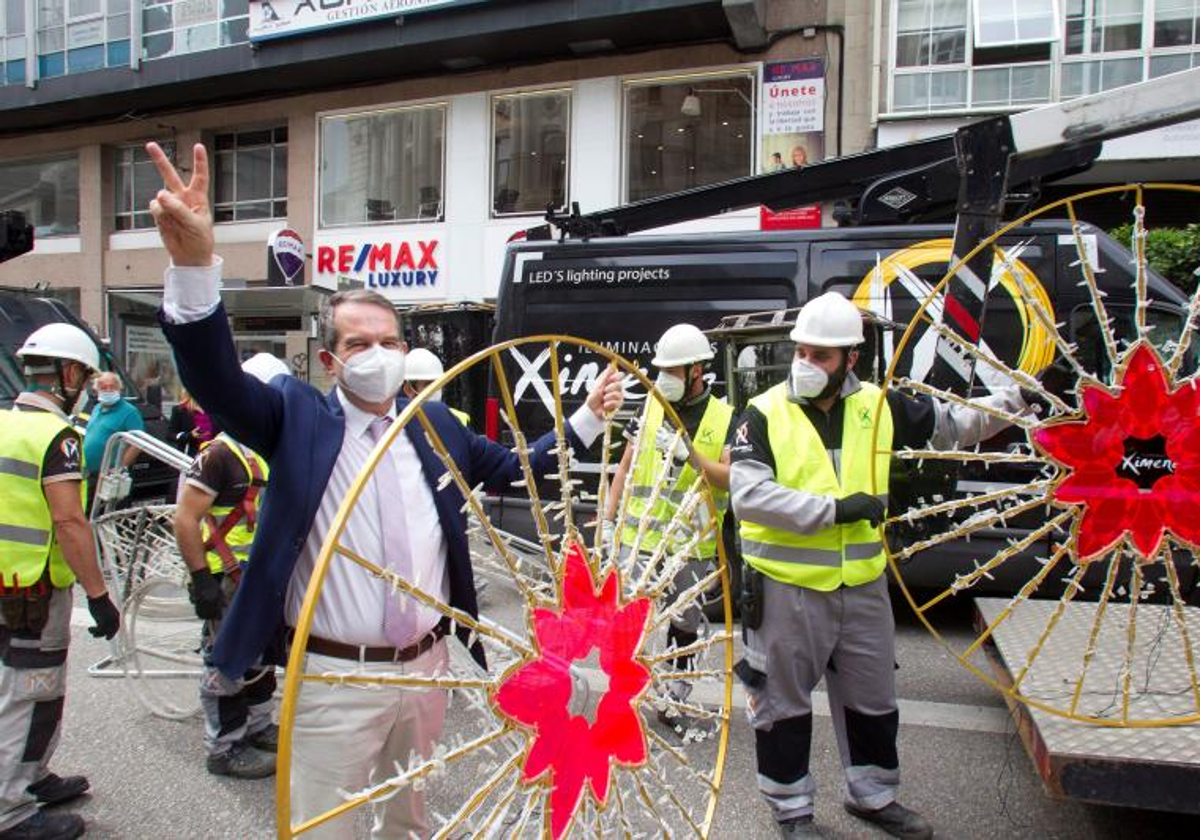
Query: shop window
[178, 27]
[1176, 23]
[1004, 22]
[383, 167]
[250, 175]
[135, 183]
[530, 143]
[688, 133]
[46, 191]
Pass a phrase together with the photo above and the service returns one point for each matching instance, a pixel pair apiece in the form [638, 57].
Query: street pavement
[962, 765]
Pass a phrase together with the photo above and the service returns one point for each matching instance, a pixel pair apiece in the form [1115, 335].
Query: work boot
[54, 790]
[242, 761]
[895, 819]
[266, 739]
[799, 827]
[43, 826]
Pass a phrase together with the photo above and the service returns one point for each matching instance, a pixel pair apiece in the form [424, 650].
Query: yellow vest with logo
[709, 442]
[841, 555]
[240, 536]
[462, 416]
[27, 539]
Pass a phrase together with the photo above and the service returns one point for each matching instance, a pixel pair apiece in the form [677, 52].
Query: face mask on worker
[374, 375]
[670, 386]
[108, 397]
[807, 381]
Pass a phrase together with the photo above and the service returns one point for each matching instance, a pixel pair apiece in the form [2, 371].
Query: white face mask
[374, 375]
[806, 380]
[436, 395]
[671, 387]
[108, 397]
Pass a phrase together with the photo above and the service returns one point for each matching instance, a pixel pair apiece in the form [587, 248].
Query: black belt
[363, 653]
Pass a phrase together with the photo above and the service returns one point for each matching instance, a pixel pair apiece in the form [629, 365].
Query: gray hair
[327, 332]
[108, 377]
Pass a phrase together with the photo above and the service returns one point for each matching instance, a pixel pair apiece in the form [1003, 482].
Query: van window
[11, 380]
[1166, 325]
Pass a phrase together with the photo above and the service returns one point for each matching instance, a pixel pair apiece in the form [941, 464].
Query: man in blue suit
[316, 445]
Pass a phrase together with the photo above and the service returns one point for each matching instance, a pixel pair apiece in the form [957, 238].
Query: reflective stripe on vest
[851, 554]
[235, 524]
[27, 541]
[709, 442]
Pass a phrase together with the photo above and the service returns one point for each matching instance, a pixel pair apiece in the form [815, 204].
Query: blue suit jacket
[299, 430]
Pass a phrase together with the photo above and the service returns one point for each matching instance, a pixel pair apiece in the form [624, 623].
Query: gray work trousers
[233, 709]
[33, 679]
[846, 636]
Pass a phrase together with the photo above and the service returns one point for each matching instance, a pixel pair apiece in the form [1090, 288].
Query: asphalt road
[961, 764]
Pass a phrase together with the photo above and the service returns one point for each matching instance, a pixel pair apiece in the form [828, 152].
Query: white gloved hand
[608, 531]
[665, 441]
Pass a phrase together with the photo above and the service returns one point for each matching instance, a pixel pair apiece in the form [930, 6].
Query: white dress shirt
[351, 607]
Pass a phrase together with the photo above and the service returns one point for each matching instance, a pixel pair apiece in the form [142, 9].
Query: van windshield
[1165, 327]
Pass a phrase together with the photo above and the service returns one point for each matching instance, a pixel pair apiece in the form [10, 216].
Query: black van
[22, 312]
[623, 292]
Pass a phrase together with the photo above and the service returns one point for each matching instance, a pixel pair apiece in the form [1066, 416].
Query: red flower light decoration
[1134, 463]
[537, 693]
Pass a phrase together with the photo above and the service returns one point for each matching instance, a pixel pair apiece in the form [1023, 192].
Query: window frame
[272, 199]
[976, 20]
[118, 151]
[568, 93]
[54, 157]
[349, 113]
[753, 72]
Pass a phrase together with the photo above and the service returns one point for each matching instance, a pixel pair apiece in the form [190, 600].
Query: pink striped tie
[400, 611]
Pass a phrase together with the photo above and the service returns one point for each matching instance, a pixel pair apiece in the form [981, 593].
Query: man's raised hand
[181, 210]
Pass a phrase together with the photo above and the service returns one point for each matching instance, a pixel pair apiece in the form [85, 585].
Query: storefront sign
[285, 258]
[793, 96]
[407, 268]
[281, 18]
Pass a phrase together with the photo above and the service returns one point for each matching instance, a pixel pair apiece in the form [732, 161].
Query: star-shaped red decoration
[1134, 462]
[537, 693]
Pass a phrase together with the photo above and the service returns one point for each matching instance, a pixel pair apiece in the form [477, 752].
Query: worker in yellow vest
[215, 522]
[46, 544]
[421, 368]
[681, 358]
[810, 506]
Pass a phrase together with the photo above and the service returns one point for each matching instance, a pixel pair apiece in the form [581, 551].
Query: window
[13, 51]
[1004, 22]
[383, 167]
[1175, 23]
[931, 32]
[75, 36]
[529, 152]
[177, 27]
[135, 183]
[46, 191]
[250, 175]
[687, 133]
[1096, 26]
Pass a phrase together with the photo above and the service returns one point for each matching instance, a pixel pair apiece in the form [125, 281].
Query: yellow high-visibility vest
[238, 535]
[709, 442]
[27, 539]
[462, 416]
[841, 555]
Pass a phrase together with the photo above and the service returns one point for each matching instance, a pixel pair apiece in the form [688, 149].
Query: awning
[260, 301]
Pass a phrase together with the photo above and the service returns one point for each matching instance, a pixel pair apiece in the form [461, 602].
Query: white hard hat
[829, 321]
[682, 344]
[422, 366]
[264, 367]
[61, 341]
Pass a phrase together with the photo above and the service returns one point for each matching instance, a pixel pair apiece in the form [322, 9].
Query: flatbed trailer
[1137, 767]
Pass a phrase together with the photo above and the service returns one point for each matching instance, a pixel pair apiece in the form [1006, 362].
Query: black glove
[858, 506]
[106, 616]
[205, 593]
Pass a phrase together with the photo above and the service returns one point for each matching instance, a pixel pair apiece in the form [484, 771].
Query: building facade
[406, 142]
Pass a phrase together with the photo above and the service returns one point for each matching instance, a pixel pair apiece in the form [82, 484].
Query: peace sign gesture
[181, 211]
